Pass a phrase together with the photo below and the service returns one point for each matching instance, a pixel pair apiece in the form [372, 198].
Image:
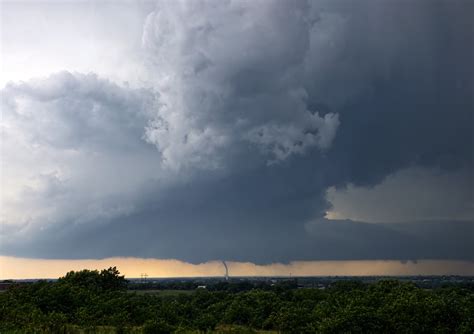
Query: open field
[163, 293]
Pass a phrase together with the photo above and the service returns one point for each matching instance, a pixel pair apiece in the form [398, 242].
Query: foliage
[107, 279]
[94, 302]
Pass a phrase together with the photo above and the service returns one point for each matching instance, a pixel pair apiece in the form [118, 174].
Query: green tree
[108, 279]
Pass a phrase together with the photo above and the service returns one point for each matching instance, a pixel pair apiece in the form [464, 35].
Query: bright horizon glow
[23, 268]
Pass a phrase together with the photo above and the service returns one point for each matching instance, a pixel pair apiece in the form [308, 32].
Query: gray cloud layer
[409, 194]
[254, 110]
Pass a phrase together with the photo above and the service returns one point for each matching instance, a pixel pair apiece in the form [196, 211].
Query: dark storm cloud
[73, 151]
[411, 64]
[323, 240]
[263, 106]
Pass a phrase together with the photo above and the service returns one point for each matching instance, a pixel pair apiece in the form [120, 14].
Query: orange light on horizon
[24, 268]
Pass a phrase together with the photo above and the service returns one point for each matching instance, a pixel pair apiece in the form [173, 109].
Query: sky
[321, 136]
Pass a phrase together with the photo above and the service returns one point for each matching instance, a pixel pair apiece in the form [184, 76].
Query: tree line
[85, 301]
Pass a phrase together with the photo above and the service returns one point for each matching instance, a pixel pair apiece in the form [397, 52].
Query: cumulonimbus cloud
[230, 72]
[254, 110]
[72, 149]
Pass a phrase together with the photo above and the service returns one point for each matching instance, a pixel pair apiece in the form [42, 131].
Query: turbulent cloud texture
[249, 112]
[72, 150]
[233, 71]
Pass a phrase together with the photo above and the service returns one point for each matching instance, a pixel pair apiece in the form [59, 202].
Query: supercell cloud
[251, 122]
[231, 73]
